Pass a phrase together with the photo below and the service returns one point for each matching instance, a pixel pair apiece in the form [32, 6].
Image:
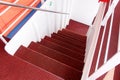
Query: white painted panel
[84, 10]
[23, 37]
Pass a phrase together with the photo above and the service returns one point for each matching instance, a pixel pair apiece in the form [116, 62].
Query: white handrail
[115, 60]
[29, 7]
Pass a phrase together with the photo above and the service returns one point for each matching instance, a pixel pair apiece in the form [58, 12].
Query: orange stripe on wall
[13, 13]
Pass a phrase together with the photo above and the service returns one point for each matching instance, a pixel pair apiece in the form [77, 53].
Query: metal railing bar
[29, 7]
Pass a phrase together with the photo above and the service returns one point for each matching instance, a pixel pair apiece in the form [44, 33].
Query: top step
[74, 35]
[78, 27]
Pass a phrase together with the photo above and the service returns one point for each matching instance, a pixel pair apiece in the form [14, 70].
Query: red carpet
[13, 68]
[64, 56]
[59, 57]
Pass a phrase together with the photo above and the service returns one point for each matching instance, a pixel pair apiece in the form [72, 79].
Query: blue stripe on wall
[17, 28]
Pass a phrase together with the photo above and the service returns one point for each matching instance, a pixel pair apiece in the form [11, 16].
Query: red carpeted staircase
[59, 57]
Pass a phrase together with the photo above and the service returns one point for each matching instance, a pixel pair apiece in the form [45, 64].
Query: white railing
[108, 41]
[108, 64]
[36, 28]
[111, 63]
[93, 38]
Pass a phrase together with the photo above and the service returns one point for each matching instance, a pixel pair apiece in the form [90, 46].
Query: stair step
[67, 41]
[49, 64]
[62, 49]
[76, 49]
[14, 68]
[57, 56]
[73, 35]
[77, 27]
[70, 39]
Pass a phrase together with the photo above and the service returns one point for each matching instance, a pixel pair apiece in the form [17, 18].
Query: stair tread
[57, 55]
[76, 49]
[77, 27]
[75, 35]
[62, 49]
[13, 68]
[48, 64]
[69, 40]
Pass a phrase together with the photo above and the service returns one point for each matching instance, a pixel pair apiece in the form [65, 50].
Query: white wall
[84, 10]
[38, 26]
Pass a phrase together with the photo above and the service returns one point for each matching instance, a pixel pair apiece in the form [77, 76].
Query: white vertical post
[108, 41]
[100, 50]
[69, 8]
[64, 7]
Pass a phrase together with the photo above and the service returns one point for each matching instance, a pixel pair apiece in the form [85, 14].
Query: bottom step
[14, 68]
[49, 64]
